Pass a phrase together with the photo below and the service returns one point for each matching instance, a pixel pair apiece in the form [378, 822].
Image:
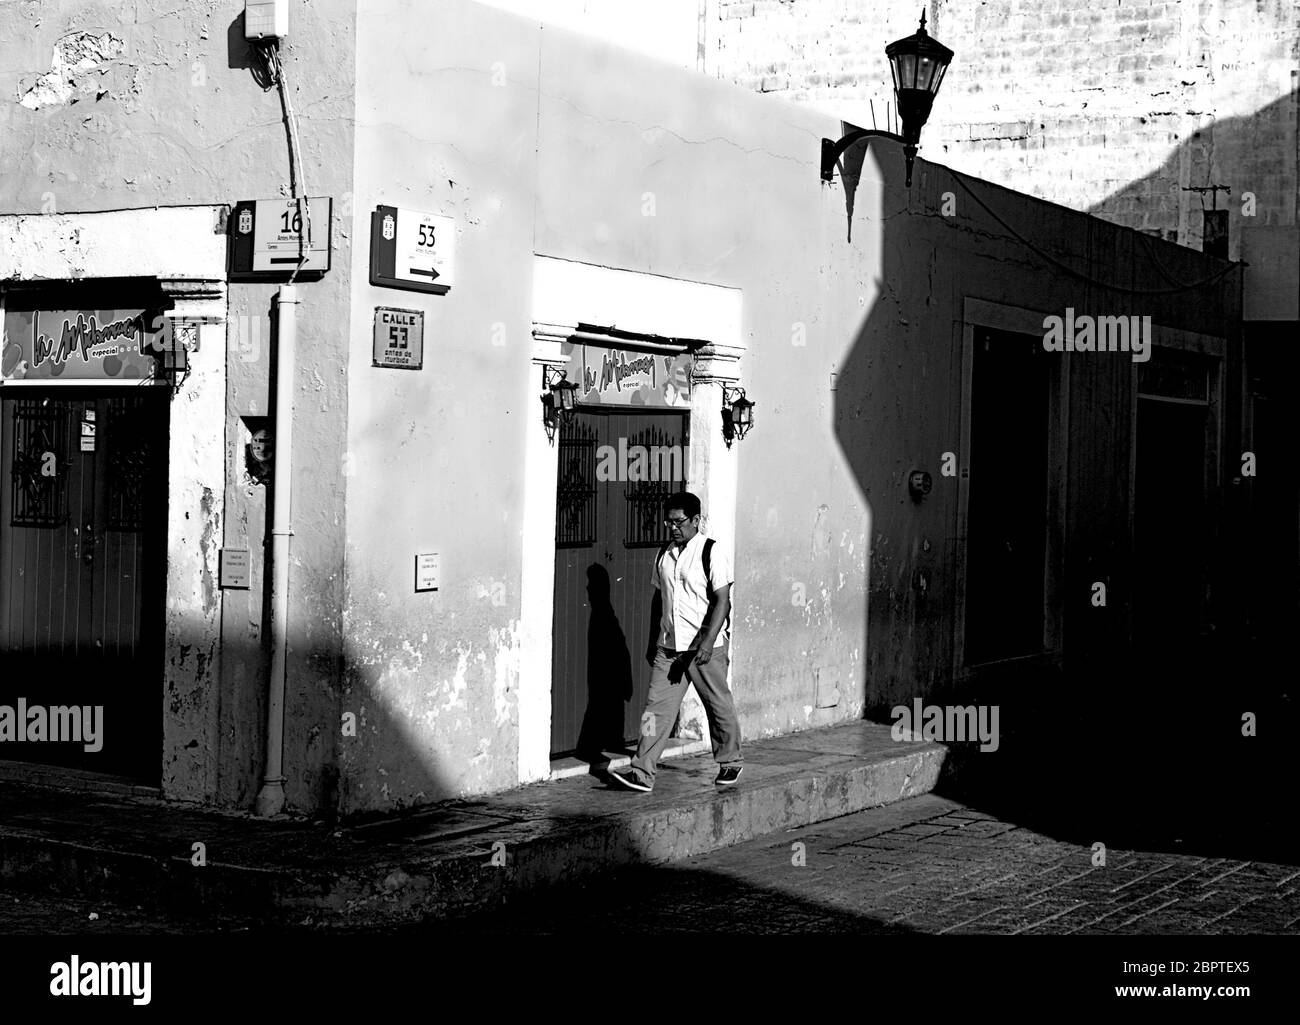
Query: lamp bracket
[832, 151]
[732, 392]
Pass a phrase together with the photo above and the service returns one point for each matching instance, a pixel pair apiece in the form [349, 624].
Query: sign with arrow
[412, 250]
[268, 238]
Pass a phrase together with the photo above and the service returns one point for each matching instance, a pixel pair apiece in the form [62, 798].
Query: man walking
[689, 617]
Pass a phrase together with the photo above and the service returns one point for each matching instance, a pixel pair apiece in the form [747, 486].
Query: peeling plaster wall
[446, 122]
[537, 140]
[579, 151]
[675, 174]
[434, 455]
[112, 105]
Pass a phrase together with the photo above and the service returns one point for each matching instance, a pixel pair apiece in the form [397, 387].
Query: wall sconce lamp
[737, 414]
[172, 358]
[559, 401]
[918, 64]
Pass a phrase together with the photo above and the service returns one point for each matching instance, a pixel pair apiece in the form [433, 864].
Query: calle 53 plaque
[399, 338]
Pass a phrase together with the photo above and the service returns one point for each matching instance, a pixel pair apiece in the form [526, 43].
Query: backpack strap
[705, 558]
[708, 583]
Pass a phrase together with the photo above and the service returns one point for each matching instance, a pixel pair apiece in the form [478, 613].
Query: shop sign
[83, 345]
[627, 377]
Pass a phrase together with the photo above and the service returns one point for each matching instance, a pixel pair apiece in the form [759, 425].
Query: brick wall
[1111, 106]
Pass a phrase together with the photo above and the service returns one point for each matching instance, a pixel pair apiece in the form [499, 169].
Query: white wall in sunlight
[667, 30]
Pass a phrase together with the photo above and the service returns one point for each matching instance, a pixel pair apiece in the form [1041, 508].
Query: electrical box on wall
[266, 19]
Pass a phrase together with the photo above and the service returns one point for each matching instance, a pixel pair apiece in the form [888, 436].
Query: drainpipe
[270, 799]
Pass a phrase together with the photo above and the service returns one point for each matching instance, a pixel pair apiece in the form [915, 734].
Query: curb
[467, 883]
[348, 886]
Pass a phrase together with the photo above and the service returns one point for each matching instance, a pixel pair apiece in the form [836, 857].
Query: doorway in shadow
[617, 466]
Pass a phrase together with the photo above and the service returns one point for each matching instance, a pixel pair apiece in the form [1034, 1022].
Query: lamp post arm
[832, 151]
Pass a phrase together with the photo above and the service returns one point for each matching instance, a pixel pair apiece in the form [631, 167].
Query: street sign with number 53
[412, 249]
[399, 338]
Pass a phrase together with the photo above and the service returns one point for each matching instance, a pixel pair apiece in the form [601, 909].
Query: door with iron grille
[616, 467]
[83, 490]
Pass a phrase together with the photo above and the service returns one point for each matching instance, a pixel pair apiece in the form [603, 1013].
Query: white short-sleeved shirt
[679, 576]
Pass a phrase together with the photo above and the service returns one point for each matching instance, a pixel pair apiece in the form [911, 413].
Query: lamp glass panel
[906, 77]
[924, 71]
[938, 79]
[566, 396]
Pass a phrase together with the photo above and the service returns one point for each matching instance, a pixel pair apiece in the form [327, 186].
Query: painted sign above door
[104, 345]
[627, 377]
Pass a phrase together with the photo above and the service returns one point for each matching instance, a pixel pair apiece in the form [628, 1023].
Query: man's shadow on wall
[609, 673]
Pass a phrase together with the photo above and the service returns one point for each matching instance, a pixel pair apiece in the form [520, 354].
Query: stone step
[449, 859]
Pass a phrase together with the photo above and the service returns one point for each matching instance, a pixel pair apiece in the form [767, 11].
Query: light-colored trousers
[672, 672]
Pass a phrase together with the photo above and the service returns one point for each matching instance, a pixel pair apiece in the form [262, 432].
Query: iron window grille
[40, 463]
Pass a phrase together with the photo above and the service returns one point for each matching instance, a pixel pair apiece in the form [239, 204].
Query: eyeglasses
[677, 522]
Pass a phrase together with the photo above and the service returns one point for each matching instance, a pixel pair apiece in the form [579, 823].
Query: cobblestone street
[926, 865]
[25, 914]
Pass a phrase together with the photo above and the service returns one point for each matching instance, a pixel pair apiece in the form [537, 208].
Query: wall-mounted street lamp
[918, 63]
[737, 414]
[559, 400]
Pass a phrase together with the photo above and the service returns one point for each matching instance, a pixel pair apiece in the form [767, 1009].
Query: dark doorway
[608, 532]
[83, 548]
[1008, 506]
[1169, 523]
[1269, 565]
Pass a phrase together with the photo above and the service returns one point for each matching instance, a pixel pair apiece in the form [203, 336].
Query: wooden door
[616, 468]
[1007, 514]
[83, 485]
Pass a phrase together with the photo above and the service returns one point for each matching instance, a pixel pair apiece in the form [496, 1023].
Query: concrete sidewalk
[449, 859]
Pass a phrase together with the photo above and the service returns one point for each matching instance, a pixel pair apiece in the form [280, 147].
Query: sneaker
[630, 781]
[728, 774]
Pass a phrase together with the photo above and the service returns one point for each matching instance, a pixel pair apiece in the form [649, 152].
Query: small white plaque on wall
[235, 569]
[426, 572]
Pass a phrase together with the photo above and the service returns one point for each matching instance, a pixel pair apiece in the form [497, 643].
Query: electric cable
[272, 74]
[1178, 287]
[298, 176]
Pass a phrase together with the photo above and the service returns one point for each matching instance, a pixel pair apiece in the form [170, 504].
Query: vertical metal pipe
[270, 799]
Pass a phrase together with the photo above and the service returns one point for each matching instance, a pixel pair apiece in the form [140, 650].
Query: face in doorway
[259, 455]
[261, 446]
[681, 528]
